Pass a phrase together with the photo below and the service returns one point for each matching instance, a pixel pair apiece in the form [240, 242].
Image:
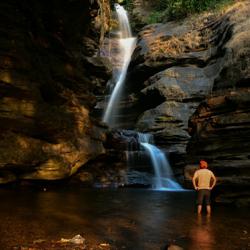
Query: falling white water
[126, 48]
[164, 178]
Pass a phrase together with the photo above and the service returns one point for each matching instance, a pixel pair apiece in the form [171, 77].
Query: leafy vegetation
[176, 9]
[165, 10]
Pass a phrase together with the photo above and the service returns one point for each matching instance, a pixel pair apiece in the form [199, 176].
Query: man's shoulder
[208, 171]
[201, 170]
[204, 171]
[198, 172]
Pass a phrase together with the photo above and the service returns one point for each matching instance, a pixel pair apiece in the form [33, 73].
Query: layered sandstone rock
[172, 71]
[220, 131]
[49, 70]
[220, 126]
[188, 83]
[182, 88]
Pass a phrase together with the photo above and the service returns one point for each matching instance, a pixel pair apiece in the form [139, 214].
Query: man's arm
[194, 181]
[213, 180]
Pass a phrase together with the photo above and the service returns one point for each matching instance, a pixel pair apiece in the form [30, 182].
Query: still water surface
[133, 219]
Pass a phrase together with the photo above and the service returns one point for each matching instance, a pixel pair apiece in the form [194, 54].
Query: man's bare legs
[199, 208]
[208, 210]
[208, 207]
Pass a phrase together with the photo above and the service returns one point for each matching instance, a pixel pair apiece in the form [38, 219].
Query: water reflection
[201, 234]
[127, 219]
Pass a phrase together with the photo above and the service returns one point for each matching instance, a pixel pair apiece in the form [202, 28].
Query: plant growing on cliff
[103, 18]
[175, 9]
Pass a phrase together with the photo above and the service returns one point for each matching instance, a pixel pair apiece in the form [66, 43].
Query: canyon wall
[50, 71]
[188, 85]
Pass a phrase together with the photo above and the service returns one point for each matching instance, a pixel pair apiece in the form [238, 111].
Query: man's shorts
[203, 195]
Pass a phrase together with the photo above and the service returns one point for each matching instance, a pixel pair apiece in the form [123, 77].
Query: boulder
[182, 88]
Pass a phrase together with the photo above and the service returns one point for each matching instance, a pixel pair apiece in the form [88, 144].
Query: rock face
[182, 88]
[220, 126]
[49, 72]
[221, 134]
[173, 69]
[140, 11]
[188, 84]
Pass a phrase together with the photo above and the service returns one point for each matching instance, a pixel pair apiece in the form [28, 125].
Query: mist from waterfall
[164, 177]
[126, 47]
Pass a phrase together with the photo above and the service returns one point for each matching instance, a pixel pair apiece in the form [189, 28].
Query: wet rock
[75, 243]
[139, 179]
[105, 246]
[85, 178]
[7, 177]
[107, 170]
[174, 247]
[169, 121]
[122, 140]
[78, 240]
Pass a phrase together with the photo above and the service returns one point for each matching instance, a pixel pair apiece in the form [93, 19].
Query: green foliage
[161, 5]
[156, 17]
[128, 4]
[175, 9]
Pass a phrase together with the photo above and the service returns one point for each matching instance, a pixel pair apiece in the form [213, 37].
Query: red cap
[203, 164]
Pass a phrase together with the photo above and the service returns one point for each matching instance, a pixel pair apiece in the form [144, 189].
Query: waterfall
[126, 48]
[164, 178]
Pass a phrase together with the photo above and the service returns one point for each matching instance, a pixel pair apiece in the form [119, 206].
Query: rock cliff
[220, 126]
[188, 85]
[50, 72]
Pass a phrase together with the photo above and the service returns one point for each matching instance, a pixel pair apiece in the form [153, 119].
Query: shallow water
[126, 218]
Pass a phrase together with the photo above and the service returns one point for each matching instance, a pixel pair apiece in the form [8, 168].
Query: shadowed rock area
[49, 72]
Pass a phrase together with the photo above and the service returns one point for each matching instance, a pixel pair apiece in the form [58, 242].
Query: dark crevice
[50, 94]
[193, 99]
[151, 100]
[243, 83]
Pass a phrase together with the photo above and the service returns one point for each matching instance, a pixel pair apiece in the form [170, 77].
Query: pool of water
[133, 219]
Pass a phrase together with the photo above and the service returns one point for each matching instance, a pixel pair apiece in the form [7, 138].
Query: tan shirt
[204, 177]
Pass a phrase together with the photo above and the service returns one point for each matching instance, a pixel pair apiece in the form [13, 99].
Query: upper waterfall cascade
[126, 47]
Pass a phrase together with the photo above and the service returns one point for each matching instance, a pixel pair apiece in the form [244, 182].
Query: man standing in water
[204, 181]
